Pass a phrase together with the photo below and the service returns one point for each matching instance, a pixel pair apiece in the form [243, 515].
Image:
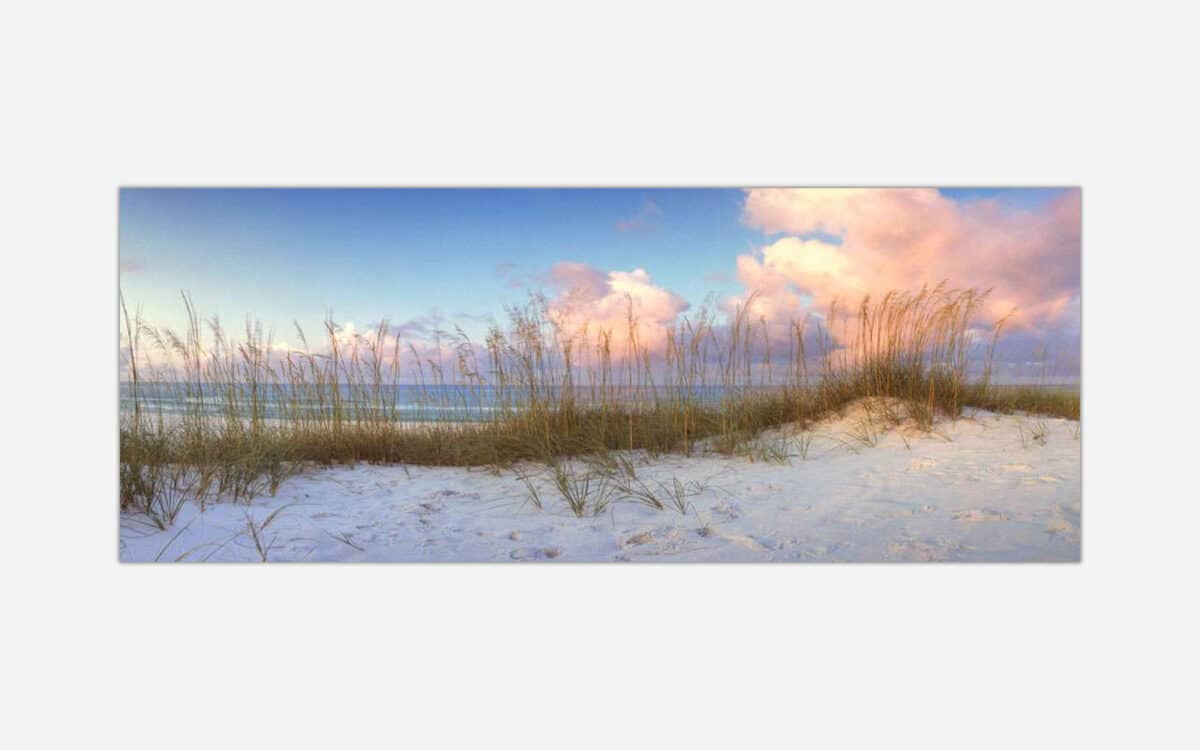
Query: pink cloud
[587, 301]
[904, 238]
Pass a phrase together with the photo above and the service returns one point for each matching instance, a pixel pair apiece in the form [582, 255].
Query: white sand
[973, 490]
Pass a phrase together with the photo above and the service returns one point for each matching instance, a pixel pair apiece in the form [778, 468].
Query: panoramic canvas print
[561, 375]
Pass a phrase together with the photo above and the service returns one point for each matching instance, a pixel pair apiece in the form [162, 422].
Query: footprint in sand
[747, 542]
[1060, 526]
[767, 543]
[1065, 523]
[913, 550]
[978, 514]
[536, 553]
[922, 464]
[923, 550]
[727, 509]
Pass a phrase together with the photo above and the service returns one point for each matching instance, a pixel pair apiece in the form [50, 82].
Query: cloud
[586, 301]
[846, 243]
[132, 265]
[422, 327]
[645, 218]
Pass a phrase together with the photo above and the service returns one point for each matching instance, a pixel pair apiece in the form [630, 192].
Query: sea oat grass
[211, 419]
[1050, 401]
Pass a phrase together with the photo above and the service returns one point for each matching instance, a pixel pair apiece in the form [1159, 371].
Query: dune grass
[206, 418]
[1048, 400]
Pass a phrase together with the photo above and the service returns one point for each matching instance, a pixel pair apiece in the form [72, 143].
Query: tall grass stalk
[209, 418]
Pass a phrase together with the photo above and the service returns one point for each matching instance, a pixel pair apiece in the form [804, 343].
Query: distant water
[408, 403]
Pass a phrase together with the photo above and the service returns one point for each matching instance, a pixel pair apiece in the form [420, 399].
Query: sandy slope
[973, 490]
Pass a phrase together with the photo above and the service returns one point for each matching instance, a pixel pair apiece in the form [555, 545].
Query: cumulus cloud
[586, 300]
[845, 243]
[407, 346]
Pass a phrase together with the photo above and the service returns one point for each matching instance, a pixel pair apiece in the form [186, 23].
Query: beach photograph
[737, 374]
[638, 375]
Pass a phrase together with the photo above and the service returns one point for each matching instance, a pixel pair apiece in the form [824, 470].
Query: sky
[423, 258]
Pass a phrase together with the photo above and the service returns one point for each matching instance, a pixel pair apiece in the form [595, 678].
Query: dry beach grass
[535, 392]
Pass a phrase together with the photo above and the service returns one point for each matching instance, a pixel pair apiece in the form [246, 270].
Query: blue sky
[365, 254]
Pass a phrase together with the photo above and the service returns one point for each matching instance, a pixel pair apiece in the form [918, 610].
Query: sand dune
[980, 488]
